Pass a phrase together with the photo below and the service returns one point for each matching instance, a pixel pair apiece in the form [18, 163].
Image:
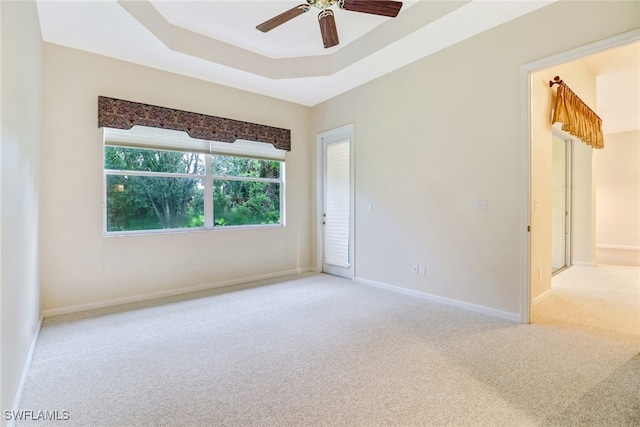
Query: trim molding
[546, 294]
[168, 293]
[25, 371]
[513, 317]
[584, 263]
[622, 247]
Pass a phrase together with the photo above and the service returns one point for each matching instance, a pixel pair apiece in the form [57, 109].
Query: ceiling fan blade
[328, 28]
[283, 17]
[376, 7]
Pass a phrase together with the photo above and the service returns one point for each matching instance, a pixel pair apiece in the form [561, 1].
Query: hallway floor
[604, 299]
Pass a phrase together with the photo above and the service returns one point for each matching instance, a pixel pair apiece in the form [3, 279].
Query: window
[157, 180]
[245, 191]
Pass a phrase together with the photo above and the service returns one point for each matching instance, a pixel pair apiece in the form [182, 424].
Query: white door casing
[336, 213]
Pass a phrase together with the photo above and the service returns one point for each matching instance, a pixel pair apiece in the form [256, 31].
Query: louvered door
[337, 206]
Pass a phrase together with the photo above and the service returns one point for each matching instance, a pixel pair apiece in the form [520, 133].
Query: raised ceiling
[217, 40]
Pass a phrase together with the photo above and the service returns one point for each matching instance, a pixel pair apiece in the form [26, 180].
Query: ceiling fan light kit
[328, 28]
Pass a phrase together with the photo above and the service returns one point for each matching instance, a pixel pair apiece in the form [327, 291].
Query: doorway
[536, 265]
[336, 234]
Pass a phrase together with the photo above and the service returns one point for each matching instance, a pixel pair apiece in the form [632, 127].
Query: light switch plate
[480, 205]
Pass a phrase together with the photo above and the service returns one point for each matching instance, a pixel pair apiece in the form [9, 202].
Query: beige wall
[434, 136]
[617, 169]
[19, 190]
[583, 221]
[79, 265]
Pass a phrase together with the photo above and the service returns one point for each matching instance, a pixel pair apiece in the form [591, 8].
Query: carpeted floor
[315, 350]
[603, 299]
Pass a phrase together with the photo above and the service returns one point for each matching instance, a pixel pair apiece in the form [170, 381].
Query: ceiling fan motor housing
[322, 4]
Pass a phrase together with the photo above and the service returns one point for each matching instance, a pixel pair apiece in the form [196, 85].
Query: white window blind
[167, 139]
[337, 205]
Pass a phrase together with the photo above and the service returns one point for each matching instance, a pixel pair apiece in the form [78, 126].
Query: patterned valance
[120, 114]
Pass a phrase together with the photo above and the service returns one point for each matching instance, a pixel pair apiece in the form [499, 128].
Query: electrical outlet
[423, 270]
[415, 269]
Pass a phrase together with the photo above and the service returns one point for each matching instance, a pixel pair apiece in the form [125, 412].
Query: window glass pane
[151, 203]
[136, 159]
[245, 202]
[239, 166]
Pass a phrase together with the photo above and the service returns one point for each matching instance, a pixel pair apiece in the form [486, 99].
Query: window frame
[208, 179]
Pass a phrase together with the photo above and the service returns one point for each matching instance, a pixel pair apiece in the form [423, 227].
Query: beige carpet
[315, 350]
[603, 299]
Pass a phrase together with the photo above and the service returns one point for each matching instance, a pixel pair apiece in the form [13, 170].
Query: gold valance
[576, 117]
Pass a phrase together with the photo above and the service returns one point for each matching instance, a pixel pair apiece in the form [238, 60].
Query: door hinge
[528, 228]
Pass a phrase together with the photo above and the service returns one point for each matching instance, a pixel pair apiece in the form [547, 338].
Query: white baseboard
[583, 264]
[546, 294]
[168, 293]
[514, 317]
[623, 247]
[25, 371]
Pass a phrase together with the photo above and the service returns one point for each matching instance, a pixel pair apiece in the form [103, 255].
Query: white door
[337, 203]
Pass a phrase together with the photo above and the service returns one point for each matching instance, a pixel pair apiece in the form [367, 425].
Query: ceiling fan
[325, 18]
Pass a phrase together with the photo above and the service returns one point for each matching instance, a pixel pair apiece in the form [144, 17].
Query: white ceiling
[217, 41]
[617, 87]
[228, 21]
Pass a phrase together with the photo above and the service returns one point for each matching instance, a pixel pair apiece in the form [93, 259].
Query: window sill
[170, 231]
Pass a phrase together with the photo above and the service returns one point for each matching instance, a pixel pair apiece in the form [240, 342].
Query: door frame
[525, 137]
[346, 131]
